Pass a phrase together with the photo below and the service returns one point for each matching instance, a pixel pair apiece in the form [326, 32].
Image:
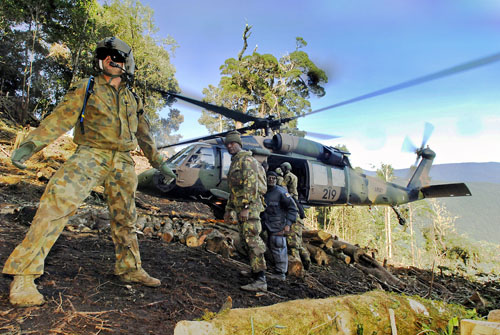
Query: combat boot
[259, 285]
[23, 292]
[277, 276]
[245, 273]
[141, 277]
[306, 262]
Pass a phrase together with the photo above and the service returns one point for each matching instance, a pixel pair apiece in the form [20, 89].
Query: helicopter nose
[166, 171]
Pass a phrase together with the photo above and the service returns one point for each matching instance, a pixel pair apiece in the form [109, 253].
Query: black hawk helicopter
[325, 175]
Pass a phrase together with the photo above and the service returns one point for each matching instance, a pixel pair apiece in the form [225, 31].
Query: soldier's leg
[120, 186]
[66, 190]
[277, 245]
[291, 240]
[256, 247]
[303, 252]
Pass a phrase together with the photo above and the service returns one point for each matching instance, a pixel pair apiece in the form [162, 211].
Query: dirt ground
[84, 297]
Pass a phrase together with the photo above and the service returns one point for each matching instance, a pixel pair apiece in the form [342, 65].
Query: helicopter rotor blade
[204, 138]
[230, 113]
[408, 146]
[417, 81]
[428, 129]
[321, 136]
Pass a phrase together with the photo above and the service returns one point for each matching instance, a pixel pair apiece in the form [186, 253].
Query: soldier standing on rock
[277, 219]
[294, 239]
[246, 201]
[107, 129]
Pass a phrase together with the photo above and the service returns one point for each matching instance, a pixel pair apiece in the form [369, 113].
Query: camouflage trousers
[66, 190]
[294, 239]
[250, 233]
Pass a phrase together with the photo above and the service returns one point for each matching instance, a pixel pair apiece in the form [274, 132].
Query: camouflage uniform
[294, 238]
[113, 127]
[244, 191]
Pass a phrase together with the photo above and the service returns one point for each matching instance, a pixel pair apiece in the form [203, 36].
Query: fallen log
[149, 228]
[318, 254]
[167, 232]
[318, 237]
[217, 243]
[350, 250]
[295, 267]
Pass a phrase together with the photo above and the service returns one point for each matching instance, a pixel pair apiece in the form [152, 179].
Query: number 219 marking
[329, 193]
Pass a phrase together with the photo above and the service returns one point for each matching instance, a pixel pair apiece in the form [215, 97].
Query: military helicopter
[325, 175]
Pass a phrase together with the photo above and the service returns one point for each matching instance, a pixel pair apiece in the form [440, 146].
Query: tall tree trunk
[412, 236]
[388, 238]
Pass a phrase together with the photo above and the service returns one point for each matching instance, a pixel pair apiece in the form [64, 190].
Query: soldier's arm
[146, 141]
[250, 191]
[61, 120]
[288, 203]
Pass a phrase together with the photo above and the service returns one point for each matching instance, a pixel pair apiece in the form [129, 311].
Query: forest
[48, 45]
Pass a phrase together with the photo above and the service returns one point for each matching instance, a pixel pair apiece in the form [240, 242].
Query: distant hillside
[478, 215]
[463, 172]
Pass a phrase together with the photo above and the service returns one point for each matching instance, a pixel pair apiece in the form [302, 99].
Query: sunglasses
[116, 55]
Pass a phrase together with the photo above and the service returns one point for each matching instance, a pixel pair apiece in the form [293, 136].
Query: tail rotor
[408, 145]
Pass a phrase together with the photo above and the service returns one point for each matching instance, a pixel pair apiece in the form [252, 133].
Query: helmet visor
[116, 55]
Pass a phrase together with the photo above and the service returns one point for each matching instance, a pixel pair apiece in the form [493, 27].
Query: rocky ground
[84, 297]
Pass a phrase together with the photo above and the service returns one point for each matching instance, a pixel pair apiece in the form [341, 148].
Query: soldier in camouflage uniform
[246, 201]
[294, 239]
[113, 125]
[281, 180]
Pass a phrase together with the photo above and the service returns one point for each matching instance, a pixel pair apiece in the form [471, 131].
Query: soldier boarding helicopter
[326, 177]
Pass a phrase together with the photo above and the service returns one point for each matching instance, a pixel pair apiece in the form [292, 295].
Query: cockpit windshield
[179, 157]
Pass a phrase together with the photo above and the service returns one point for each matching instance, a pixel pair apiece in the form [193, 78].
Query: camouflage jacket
[111, 121]
[243, 183]
[291, 184]
[280, 181]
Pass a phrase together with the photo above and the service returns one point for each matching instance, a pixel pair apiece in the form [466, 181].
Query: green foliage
[48, 45]
[262, 85]
[163, 130]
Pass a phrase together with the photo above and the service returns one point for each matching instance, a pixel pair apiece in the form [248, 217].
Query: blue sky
[363, 45]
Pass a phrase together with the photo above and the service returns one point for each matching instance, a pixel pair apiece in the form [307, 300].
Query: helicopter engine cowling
[286, 143]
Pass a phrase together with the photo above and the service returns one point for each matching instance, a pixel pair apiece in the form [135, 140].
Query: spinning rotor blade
[230, 113]
[321, 136]
[417, 81]
[408, 146]
[203, 138]
[429, 128]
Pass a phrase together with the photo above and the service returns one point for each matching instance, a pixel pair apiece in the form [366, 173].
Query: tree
[386, 173]
[49, 44]
[262, 85]
[163, 132]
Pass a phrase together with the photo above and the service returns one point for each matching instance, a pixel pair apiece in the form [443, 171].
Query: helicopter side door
[224, 164]
[327, 183]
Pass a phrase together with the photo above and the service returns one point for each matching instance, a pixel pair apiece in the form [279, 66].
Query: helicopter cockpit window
[179, 157]
[226, 163]
[203, 158]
